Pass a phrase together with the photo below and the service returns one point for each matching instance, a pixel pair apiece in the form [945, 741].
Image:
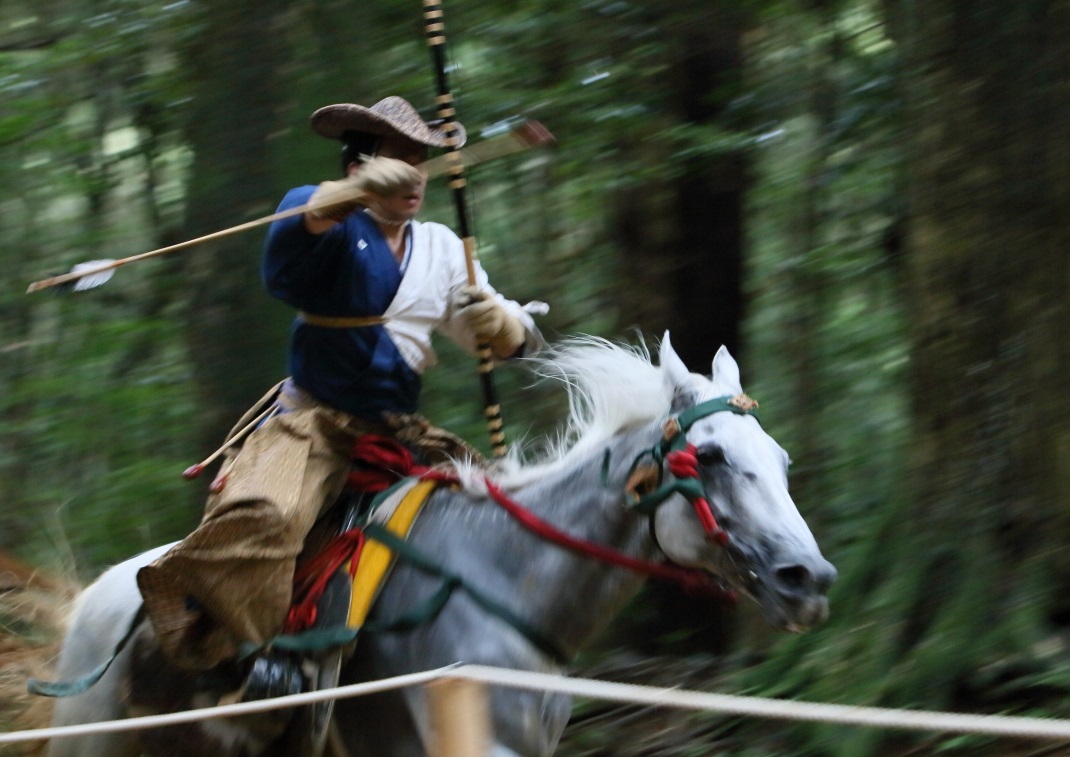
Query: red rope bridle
[683, 464]
[692, 580]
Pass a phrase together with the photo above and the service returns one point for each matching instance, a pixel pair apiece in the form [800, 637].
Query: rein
[693, 580]
[672, 450]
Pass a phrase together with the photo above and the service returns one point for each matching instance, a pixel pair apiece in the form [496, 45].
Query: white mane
[610, 387]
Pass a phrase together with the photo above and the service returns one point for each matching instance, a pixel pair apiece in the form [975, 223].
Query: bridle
[681, 458]
[674, 451]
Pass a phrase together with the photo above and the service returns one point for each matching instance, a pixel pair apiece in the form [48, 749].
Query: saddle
[340, 575]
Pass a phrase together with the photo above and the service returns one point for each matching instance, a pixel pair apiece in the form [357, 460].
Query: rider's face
[403, 149]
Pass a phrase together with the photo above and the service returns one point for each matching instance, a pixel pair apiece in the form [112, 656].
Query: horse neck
[577, 596]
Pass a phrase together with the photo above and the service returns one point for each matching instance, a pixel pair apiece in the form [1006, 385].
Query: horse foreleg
[100, 703]
[522, 723]
[335, 746]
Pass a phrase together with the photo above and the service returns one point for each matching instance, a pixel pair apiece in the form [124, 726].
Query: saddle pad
[397, 513]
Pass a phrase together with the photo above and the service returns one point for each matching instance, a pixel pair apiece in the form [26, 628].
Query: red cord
[379, 463]
[311, 581]
[382, 461]
[683, 463]
[692, 580]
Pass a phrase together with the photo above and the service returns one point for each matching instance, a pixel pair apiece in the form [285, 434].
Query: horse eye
[711, 456]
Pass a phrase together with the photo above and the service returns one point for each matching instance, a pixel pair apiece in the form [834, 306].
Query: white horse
[619, 403]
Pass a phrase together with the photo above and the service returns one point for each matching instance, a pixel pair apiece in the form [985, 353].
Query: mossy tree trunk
[953, 591]
[683, 236]
[236, 336]
[988, 272]
[975, 561]
[681, 240]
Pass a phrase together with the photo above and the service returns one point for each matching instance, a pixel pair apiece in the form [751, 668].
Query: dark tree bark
[682, 240]
[683, 249]
[988, 264]
[236, 336]
[707, 282]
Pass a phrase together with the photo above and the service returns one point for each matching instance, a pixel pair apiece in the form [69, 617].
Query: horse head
[766, 549]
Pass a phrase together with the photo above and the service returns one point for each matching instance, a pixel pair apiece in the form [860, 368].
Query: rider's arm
[293, 255]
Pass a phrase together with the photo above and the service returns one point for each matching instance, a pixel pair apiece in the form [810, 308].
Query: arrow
[93, 273]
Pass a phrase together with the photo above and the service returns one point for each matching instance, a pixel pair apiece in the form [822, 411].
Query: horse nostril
[793, 576]
[800, 578]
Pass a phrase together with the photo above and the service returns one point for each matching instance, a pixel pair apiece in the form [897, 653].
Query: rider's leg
[230, 581]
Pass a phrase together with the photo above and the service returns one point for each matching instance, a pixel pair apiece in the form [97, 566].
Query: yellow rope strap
[377, 559]
[340, 322]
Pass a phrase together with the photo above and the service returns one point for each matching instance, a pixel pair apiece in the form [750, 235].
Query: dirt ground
[33, 610]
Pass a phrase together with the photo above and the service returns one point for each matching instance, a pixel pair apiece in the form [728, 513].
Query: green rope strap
[83, 683]
[318, 639]
[730, 403]
[452, 581]
[677, 440]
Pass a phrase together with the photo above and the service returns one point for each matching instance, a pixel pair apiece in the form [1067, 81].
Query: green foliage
[95, 387]
[100, 411]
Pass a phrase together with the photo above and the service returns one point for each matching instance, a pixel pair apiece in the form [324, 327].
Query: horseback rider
[371, 284]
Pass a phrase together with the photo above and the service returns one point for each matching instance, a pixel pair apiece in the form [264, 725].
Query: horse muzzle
[794, 596]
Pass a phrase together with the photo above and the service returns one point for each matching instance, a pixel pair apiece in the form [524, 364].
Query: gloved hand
[388, 176]
[334, 200]
[489, 322]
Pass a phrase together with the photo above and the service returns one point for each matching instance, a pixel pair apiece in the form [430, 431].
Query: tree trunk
[682, 240]
[236, 337]
[953, 591]
[682, 247]
[988, 273]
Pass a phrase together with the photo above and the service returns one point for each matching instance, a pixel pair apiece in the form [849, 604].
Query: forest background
[866, 201]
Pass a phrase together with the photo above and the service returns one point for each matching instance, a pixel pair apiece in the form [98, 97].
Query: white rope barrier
[229, 710]
[782, 709]
[921, 720]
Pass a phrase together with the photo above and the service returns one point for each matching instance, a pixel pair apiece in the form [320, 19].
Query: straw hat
[390, 116]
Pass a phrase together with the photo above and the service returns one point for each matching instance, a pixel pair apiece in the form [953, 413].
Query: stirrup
[274, 676]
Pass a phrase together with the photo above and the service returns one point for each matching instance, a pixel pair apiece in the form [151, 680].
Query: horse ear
[672, 367]
[678, 380]
[725, 374]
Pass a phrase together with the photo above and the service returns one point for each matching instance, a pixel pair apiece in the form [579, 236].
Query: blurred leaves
[100, 410]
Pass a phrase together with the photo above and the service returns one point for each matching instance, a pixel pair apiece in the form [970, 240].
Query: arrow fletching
[85, 276]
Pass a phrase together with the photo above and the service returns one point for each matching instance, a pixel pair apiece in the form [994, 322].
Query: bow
[435, 28]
